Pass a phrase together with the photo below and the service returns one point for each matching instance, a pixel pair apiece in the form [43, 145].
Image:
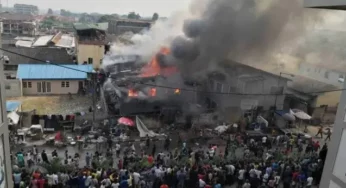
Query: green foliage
[133, 15]
[155, 16]
[107, 18]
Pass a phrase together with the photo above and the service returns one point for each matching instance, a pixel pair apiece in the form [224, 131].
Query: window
[38, 87]
[90, 60]
[29, 85]
[219, 87]
[62, 84]
[25, 85]
[7, 86]
[48, 87]
[326, 74]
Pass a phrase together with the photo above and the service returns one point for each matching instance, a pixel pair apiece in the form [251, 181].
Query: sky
[143, 7]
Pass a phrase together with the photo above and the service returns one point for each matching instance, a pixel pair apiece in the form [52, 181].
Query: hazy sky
[143, 7]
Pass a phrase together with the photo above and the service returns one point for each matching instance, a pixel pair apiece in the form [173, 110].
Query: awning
[287, 115]
[301, 114]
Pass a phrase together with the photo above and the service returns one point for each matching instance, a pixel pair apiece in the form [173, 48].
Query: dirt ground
[62, 104]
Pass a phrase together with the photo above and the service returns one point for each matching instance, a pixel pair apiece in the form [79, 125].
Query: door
[43, 87]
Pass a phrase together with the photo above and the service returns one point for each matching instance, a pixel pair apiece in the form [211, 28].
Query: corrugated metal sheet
[23, 43]
[66, 41]
[43, 41]
[25, 38]
[12, 105]
[52, 72]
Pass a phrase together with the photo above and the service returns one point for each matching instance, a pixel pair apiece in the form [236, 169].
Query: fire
[177, 91]
[153, 92]
[153, 68]
[132, 93]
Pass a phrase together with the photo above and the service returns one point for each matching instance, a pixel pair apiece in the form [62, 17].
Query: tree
[133, 15]
[155, 16]
[107, 18]
[50, 11]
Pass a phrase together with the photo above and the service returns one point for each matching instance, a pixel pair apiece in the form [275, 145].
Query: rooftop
[12, 105]
[87, 26]
[16, 16]
[52, 72]
[45, 54]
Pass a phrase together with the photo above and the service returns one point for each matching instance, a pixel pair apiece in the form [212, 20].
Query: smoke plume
[211, 31]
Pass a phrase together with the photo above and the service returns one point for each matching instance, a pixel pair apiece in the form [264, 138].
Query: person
[20, 159]
[55, 153]
[329, 133]
[87, 159]
[117, 149]
[320, 132]
[17, 178]
[246, 184]
[153, 150]
[35, 153]
[309, 181]
[167, 143]
[44, 156]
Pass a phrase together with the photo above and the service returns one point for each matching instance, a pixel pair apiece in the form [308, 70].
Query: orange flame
[153, 68]
[177, 91]
[153, 92]
[132, 93]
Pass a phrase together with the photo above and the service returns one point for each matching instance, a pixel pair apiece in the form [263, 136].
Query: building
[5, 158]
[334, 168]
[243, 79]
[18, 24]
[121, 26]
[26, 9]
[12, 84]
[48, 79]
[91, 44]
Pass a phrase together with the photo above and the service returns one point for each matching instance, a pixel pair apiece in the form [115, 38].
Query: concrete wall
[96, 52]
[56, 87]
[5, 164]
[331, 99]
[13, 88]
[264, 85]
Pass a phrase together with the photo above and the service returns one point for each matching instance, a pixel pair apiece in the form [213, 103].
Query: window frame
[63, 84]
[29, 85]
[25, 85]
[67, 84]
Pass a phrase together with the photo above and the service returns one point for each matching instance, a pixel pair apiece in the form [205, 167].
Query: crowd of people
[244, 162]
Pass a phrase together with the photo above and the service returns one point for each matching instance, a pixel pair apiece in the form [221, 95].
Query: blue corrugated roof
[53, 72]
[12, 105]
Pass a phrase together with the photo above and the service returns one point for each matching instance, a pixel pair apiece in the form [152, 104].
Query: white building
[26, 9]
[5, 161]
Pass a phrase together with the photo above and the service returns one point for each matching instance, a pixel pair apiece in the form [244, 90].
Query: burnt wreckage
[133, 87]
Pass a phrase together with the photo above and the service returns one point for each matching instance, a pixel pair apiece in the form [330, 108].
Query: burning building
[136, 88]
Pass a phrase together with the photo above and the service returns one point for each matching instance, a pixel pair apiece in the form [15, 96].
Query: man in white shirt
[136, 178]
[55, 179]
[309, 181]
[202, 183]
[241, 176]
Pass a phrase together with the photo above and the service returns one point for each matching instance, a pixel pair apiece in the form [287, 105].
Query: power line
[170, 87]
[40, 60]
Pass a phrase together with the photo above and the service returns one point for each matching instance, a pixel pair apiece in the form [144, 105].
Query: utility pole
[94, 86]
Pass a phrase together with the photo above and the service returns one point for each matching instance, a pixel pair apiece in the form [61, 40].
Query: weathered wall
[12, 88]
[56, 87]
[85, 51]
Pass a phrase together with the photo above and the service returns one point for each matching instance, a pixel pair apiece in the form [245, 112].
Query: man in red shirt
[41, 182]
[164, 186]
